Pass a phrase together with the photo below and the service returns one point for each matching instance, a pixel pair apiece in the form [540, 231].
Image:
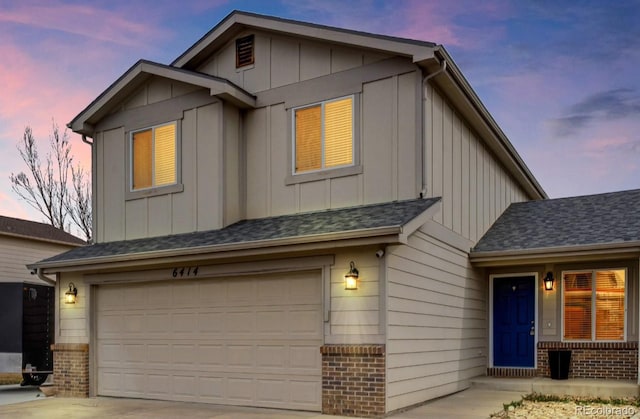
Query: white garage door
[243, 341]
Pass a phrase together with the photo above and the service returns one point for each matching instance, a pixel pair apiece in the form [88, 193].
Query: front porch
[580, 387]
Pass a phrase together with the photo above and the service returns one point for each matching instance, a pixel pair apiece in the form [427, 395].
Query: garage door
[250, 341]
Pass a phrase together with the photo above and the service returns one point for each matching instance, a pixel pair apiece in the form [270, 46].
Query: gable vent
[244, 51]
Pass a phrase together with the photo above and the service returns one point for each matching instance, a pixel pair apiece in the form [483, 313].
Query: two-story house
[283, 218]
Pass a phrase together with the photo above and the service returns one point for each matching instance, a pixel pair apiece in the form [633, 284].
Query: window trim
[324, 173]
[593, 304]
[131, 193]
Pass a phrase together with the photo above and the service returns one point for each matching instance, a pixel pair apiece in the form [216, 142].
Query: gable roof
[432, 58]
[238, 21]
[142, 71]
[392, 221]
[32, 230]
[603, 222]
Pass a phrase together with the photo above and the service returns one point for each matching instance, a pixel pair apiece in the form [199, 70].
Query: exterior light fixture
[548, 282]
[351, 278]
[71, 294]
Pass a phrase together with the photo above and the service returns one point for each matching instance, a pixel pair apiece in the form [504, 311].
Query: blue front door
[514, 321]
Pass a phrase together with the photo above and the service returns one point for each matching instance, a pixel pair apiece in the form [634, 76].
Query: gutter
[39, 274]
[526, 255]
[376, 235]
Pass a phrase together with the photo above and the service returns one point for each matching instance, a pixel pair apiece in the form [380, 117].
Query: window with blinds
[594, 305]
[153, 157]
[323, 135]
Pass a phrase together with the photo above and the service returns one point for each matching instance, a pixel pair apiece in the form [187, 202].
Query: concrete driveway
[13, 393]
[14, 403]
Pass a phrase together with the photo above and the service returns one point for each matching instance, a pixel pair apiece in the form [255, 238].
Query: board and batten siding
[282, 60]
[475, 188]
[387, 146]
[436, 321]
[209, 168]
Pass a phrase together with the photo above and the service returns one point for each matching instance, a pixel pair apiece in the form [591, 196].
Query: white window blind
[324, 135]
[153, 161]
[594, 305]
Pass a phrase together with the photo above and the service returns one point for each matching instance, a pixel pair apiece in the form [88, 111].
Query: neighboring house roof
[17, 227]
[592, 222]
[398, 219]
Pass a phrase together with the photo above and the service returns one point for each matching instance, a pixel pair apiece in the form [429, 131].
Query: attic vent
[244, 51]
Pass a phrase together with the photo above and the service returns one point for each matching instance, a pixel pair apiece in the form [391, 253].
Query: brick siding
[599, 360]
[353, 380]
[71, 369]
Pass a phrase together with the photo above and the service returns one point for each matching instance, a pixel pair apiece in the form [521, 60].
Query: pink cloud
[72, 18]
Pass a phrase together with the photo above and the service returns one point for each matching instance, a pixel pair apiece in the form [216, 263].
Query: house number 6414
[185, 272]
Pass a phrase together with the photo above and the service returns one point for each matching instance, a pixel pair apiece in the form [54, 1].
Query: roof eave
[555, 254]
[389, 234]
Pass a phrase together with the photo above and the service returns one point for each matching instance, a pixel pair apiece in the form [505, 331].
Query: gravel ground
[569, 409]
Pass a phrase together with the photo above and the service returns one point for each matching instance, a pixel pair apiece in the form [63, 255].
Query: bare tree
[79, 202]
[46, 185]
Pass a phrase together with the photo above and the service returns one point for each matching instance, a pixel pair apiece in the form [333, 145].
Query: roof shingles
[37, 231]
[608, 218]
[303, 225]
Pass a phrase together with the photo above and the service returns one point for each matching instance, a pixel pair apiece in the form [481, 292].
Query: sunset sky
[561, 78]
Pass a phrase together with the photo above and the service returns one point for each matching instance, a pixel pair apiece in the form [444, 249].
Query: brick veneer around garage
[599, 360]
[353, 380]
[71, 369]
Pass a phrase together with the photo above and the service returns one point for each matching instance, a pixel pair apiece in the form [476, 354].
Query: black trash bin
[559, 364]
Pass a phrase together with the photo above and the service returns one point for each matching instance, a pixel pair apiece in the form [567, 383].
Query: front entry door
[514, 321]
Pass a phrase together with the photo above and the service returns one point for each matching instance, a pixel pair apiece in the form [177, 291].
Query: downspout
[43, 277]
[84, 140]
[443, 67]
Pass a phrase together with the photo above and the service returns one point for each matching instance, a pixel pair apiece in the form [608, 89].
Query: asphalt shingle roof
[302, 225]
[35, 230]
[578, 221]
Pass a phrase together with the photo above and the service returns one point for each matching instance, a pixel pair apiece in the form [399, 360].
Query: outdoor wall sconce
[351, 278]
[71, 294]
[548, 282]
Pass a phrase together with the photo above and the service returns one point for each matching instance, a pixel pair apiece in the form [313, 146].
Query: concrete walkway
[473, 403]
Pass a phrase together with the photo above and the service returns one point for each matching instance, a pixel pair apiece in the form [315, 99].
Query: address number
[185, 272]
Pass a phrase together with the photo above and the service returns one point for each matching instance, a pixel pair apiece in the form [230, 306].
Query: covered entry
[250, 341]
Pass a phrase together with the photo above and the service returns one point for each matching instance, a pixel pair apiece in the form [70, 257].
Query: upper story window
[244, 51]
[324, 135]
[153, 157]
[594, 305]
